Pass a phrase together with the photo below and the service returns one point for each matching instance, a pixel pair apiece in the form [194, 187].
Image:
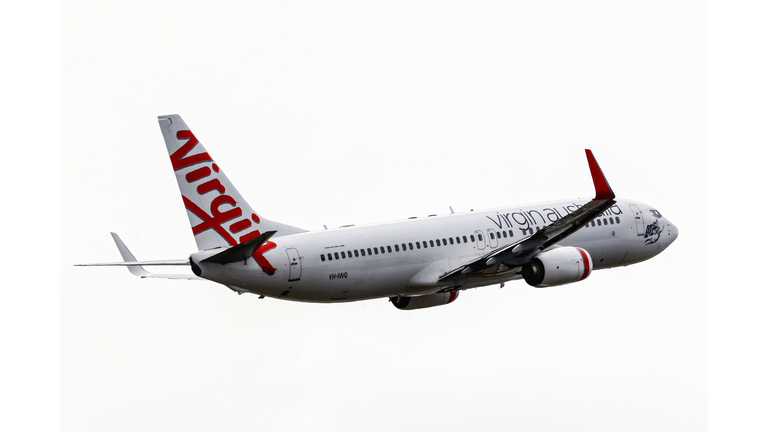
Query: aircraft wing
[135, 267]
[521, 252]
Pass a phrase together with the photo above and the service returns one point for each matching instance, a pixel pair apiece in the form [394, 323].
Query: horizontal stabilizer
[178, 262]
[135, 267]
[240, 252]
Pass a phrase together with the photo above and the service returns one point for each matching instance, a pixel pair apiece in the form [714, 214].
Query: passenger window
[450, 239]
[465, 238]
[504, 233]
[369, 251]
[356, 254]
[425, 244]
[376, 251]
[605, 221]
[410, 246]
[593, 223]
[480, 237]
[617, 219]
[382, 249]
[404, 249]
[472, 237]
[336, 255]
[598, 223]
[445, 243]
[389, 249]
[330, 257]
[362, 252]
[492, 236]
[418, 245]
[511, 233]
[322, 257]
[458, 240]
[431, 243]
[397, 248]
[611, 219]
[342, 255]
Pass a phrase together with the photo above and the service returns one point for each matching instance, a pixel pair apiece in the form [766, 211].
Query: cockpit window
[656, 213]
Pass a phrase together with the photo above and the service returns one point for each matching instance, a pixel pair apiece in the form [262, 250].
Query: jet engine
[558, 266]
[425, 301]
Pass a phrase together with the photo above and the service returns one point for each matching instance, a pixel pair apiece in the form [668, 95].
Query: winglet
[602, 188]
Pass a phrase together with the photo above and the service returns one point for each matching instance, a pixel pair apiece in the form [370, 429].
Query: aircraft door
[493, 237]
[638, 219]
[294, 264]
[480, 239]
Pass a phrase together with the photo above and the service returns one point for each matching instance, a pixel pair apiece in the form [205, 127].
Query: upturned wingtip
[603, 190]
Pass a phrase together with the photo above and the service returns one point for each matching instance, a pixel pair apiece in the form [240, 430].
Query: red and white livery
[416, 263]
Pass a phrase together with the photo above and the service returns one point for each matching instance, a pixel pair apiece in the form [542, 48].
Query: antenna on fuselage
[452, 212]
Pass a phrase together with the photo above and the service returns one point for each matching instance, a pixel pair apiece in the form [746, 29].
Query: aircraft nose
[672, 232]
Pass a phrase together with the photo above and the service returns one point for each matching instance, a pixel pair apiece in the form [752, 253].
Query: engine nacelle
[558, 267]
[425, 301]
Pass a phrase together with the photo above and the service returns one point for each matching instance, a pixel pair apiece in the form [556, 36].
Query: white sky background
[342, 113]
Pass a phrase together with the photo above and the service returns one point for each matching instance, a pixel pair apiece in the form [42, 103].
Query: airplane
[417, 262]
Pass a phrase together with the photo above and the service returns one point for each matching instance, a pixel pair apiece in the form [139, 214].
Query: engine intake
[558, 266]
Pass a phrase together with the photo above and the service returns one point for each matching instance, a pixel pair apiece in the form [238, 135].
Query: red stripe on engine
[453, 296]
[585, 258]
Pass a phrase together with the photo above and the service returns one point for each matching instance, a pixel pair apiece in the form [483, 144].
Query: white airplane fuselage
[310, 266]
[416, 263]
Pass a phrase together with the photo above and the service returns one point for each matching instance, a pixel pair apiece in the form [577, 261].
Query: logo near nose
[652, 232]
